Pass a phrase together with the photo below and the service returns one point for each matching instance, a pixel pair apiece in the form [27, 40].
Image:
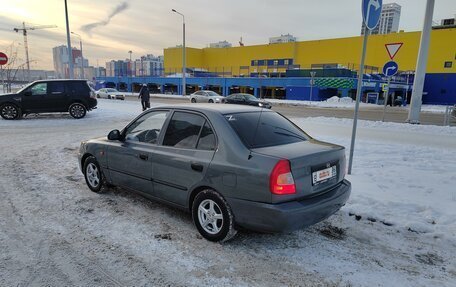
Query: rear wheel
[212, 216]
[77, 110]
[93, 174]
[211, 101]
[10, 112]
[193, 100]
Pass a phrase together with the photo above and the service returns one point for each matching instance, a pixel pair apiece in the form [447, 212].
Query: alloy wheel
[210, 216]
[9, 112]
[93, 175]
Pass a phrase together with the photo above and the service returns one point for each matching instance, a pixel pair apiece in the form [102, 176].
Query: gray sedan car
[230, 166]
[205, 96]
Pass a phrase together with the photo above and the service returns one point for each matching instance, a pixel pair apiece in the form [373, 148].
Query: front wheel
[212, 216]
[10, 112]
[93, 174]
[211, 101]
[77, 110]
[193, 100]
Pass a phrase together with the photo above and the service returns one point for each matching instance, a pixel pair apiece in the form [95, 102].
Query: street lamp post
[70, 50]
[312, 76]
[82, 57]
[184, 69]
[131, 72]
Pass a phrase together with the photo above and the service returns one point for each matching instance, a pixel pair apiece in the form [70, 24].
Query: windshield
[24, 88]
[213, 94]
[273, 129]
[112, 90]
[250, 97]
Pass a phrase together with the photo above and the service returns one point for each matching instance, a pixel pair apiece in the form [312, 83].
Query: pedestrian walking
[144, 94]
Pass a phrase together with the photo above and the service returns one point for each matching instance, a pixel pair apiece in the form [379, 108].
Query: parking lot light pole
[82, 57]
[131, 72]
[312, 77]
[70, 50]
[184, 69]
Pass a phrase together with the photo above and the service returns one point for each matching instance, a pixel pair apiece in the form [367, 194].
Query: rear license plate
[323, 175]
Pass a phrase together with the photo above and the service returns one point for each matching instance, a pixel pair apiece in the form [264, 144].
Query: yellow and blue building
[283, 70]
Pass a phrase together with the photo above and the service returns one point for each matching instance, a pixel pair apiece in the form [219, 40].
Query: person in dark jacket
[144, 94]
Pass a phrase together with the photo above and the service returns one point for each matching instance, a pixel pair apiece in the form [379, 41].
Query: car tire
[193, 100]
[77, 110]
[98, 95]
[213, 217]
[10, 112]
[92, 174]
[211, 101]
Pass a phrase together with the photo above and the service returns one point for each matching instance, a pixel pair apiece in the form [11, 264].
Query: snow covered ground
[397, 229]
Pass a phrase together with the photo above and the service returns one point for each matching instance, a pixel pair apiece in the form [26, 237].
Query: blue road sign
[390, 69]
[371, 12]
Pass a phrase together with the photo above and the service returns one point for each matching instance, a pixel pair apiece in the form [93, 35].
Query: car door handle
[143, 156]
[197, 167]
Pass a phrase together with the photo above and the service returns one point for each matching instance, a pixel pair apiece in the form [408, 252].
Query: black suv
[73, 96]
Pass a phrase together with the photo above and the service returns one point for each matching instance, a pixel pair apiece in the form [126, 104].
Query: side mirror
[114, 135]
[27, 93]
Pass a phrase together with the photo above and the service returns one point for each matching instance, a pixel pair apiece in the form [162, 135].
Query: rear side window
[207, 138]
[183, 130]
[78, 88]
[273, 129]
[56, 87]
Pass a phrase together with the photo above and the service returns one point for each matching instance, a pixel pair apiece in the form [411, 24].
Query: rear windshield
[273, 129]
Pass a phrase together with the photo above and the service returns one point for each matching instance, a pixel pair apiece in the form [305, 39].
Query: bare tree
[9, 71]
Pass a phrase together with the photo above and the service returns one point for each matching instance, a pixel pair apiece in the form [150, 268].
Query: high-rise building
[60, 57]
[389, 20]
[149, 65]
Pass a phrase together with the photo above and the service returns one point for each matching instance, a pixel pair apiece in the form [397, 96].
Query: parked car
[247, 99]
[48, 96]
[109, 93]
[205, 96]
[230, 166]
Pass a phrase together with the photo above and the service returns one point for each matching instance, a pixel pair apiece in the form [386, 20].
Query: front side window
[147, 128]
[183, 130]
[39, 89]
[262, 129]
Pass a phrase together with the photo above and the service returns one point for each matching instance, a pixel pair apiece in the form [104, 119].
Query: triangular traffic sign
[392, 49]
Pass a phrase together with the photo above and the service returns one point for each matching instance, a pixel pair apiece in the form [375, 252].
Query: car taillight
[281, 180]
[93, 95]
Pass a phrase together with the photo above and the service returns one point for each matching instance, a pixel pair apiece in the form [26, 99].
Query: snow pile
[334, 99]
[346, 100]
[403, 175]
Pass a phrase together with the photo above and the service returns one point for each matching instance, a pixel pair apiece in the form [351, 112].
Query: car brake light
[281, 180]
[93, 95]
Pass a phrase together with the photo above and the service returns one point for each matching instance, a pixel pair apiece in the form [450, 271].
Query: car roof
[241, 94]
[60, 80]
[215, 108]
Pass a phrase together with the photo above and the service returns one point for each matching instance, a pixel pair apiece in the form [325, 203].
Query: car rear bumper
[292, 215]
[92, 104]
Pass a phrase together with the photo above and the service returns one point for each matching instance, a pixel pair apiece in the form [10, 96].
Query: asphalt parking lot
[371, 113]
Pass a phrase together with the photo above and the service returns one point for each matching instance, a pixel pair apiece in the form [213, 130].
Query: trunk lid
[307, 158]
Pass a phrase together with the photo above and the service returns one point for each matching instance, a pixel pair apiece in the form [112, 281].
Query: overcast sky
[149, 26]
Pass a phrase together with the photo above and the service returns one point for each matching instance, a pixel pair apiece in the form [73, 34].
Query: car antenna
[256, 130]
